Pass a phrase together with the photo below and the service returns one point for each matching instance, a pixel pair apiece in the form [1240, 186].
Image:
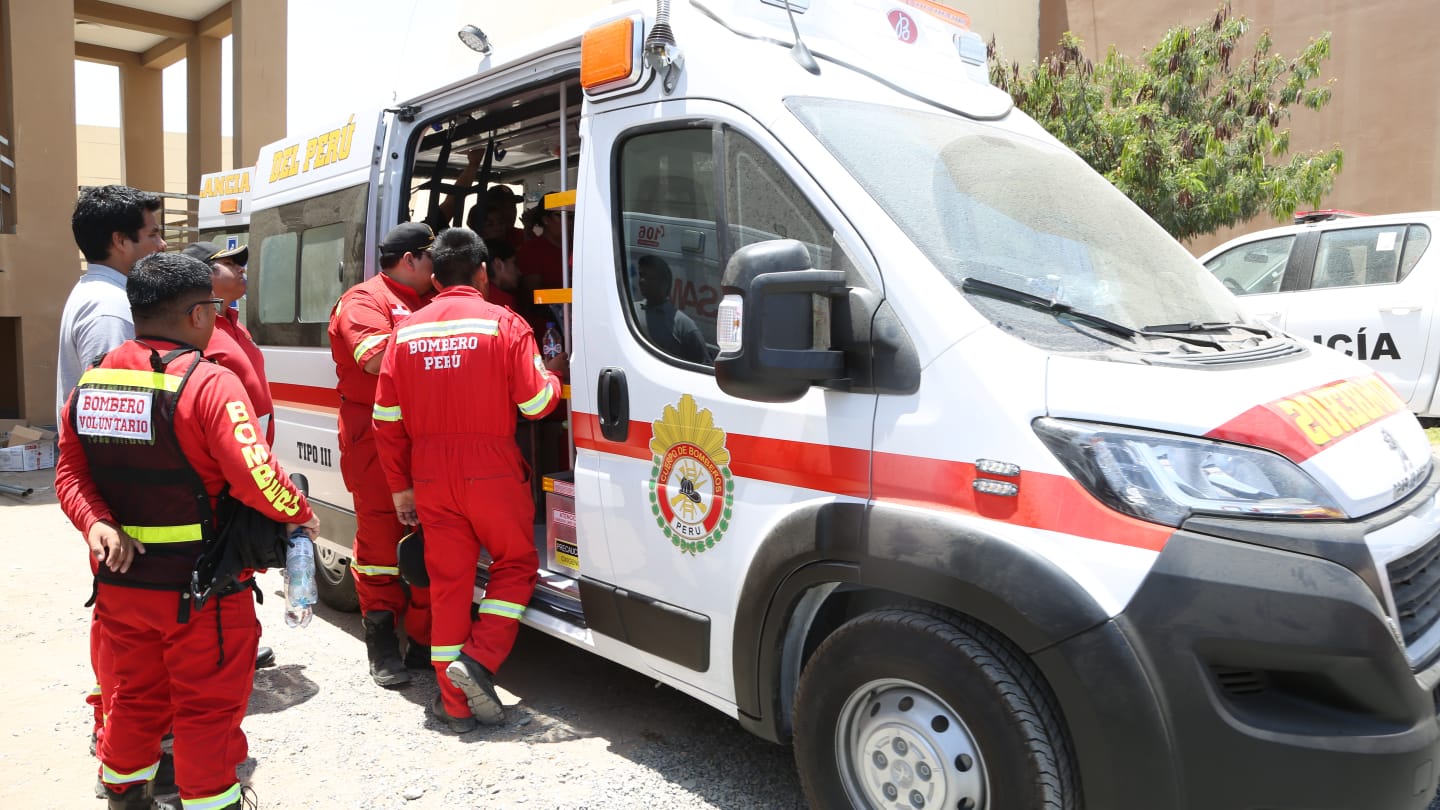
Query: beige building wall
[1385, 112]
[38, 261]
[99, 159]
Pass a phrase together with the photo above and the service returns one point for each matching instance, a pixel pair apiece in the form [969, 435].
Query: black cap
[502, 195]
[209, 251]
[407, 237]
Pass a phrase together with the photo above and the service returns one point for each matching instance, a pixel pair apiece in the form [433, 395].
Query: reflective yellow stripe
[152, 380]
[189, 533]
[215, 802]
[95, 690]
[437, 329]
[537, 403]
[112, 777]
[445, 654]
[376, 570]
[499, 607]
[385, 413]
[369, 343]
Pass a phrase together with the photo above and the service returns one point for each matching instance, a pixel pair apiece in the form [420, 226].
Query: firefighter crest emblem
[691, 491]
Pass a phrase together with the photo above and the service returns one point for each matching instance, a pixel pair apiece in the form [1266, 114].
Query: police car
[1366, 286]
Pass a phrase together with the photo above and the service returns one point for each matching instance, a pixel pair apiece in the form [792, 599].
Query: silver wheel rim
[900, 746]
[330, 565]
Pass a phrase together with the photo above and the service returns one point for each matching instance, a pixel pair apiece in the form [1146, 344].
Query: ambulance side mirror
[775, 333]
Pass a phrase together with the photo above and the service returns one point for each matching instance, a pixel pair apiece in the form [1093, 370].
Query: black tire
[335, 582]
[911, 691]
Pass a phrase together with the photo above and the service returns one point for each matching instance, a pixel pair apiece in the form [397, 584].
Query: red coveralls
[232, 347]
[360, 324]
[163, 674]
[445, 421]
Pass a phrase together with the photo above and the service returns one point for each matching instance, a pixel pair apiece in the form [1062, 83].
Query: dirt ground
[582, 733]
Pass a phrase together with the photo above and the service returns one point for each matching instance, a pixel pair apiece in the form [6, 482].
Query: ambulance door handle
[613, 399]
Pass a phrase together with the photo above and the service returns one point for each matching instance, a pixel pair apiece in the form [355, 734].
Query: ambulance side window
[683, 215]
[304, 255]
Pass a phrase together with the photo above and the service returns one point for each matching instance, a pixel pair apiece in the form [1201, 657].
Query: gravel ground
[582, 732]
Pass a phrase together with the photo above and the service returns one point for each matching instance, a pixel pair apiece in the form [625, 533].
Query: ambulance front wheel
[907, 708]
[334, 581]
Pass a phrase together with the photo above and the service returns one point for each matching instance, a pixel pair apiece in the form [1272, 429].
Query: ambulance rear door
[677, 482]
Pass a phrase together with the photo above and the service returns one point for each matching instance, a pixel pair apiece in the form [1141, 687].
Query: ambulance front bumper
[1273, 675]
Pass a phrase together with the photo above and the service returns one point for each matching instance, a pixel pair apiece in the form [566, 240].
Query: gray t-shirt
[96, 319]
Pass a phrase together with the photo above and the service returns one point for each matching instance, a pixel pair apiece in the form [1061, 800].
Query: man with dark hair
[154, 435]
[114, 227]
[502, 274]
[453, 376]
[671, 330]
[360, 325]
[502, 207]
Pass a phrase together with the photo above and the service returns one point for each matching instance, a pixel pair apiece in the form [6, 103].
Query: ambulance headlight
[1165, 478]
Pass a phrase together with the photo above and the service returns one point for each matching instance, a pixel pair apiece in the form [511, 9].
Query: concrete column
[39, 263]
[202, 88]
[259, 28]
[142, 127]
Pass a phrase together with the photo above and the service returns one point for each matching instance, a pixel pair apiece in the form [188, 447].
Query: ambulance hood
[1337, 420]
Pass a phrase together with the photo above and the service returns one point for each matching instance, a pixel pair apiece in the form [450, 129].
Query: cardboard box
[24, 434]
[25, 457]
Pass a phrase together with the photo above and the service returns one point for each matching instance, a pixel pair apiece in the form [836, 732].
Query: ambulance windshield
[986, 203]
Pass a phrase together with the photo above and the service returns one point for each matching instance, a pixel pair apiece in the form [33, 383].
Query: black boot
[417, 656]
[138, 797]
[383, 648]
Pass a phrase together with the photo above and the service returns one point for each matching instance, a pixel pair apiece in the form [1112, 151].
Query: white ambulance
[223, 214]
[984, 493]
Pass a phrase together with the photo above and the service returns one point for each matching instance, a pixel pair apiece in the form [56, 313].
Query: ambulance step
[555, 594]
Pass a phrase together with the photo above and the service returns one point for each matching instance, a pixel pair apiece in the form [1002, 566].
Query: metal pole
[11, 489]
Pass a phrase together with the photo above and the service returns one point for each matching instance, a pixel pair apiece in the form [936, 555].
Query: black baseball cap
[502, 195]
[407, 237]
[209, 251]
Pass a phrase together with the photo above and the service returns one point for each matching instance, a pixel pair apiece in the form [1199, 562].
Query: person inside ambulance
[502, 208]
[453, 377]
[156, 434]
[671, 330]
[360, 326]
[502, 275]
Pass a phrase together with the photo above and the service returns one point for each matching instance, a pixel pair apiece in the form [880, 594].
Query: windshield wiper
[1205, 326]
[990, 289]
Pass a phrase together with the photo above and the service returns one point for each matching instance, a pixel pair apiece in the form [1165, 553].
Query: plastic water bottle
[300, 591]
[551, 343]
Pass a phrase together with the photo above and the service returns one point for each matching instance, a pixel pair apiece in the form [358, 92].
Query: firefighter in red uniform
[360, 324]
[445, 422]
[153, 434]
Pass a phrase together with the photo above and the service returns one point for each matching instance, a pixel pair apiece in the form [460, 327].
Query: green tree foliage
[1191, 130]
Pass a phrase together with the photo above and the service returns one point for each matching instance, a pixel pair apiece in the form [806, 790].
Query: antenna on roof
[799, 52]
[661, 52]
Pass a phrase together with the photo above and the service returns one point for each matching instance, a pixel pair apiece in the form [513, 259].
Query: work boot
[459, 725]
[466, 674]
[138, 797]
[164, 783]
[264, 657]
[417, 656]
[383, 648]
